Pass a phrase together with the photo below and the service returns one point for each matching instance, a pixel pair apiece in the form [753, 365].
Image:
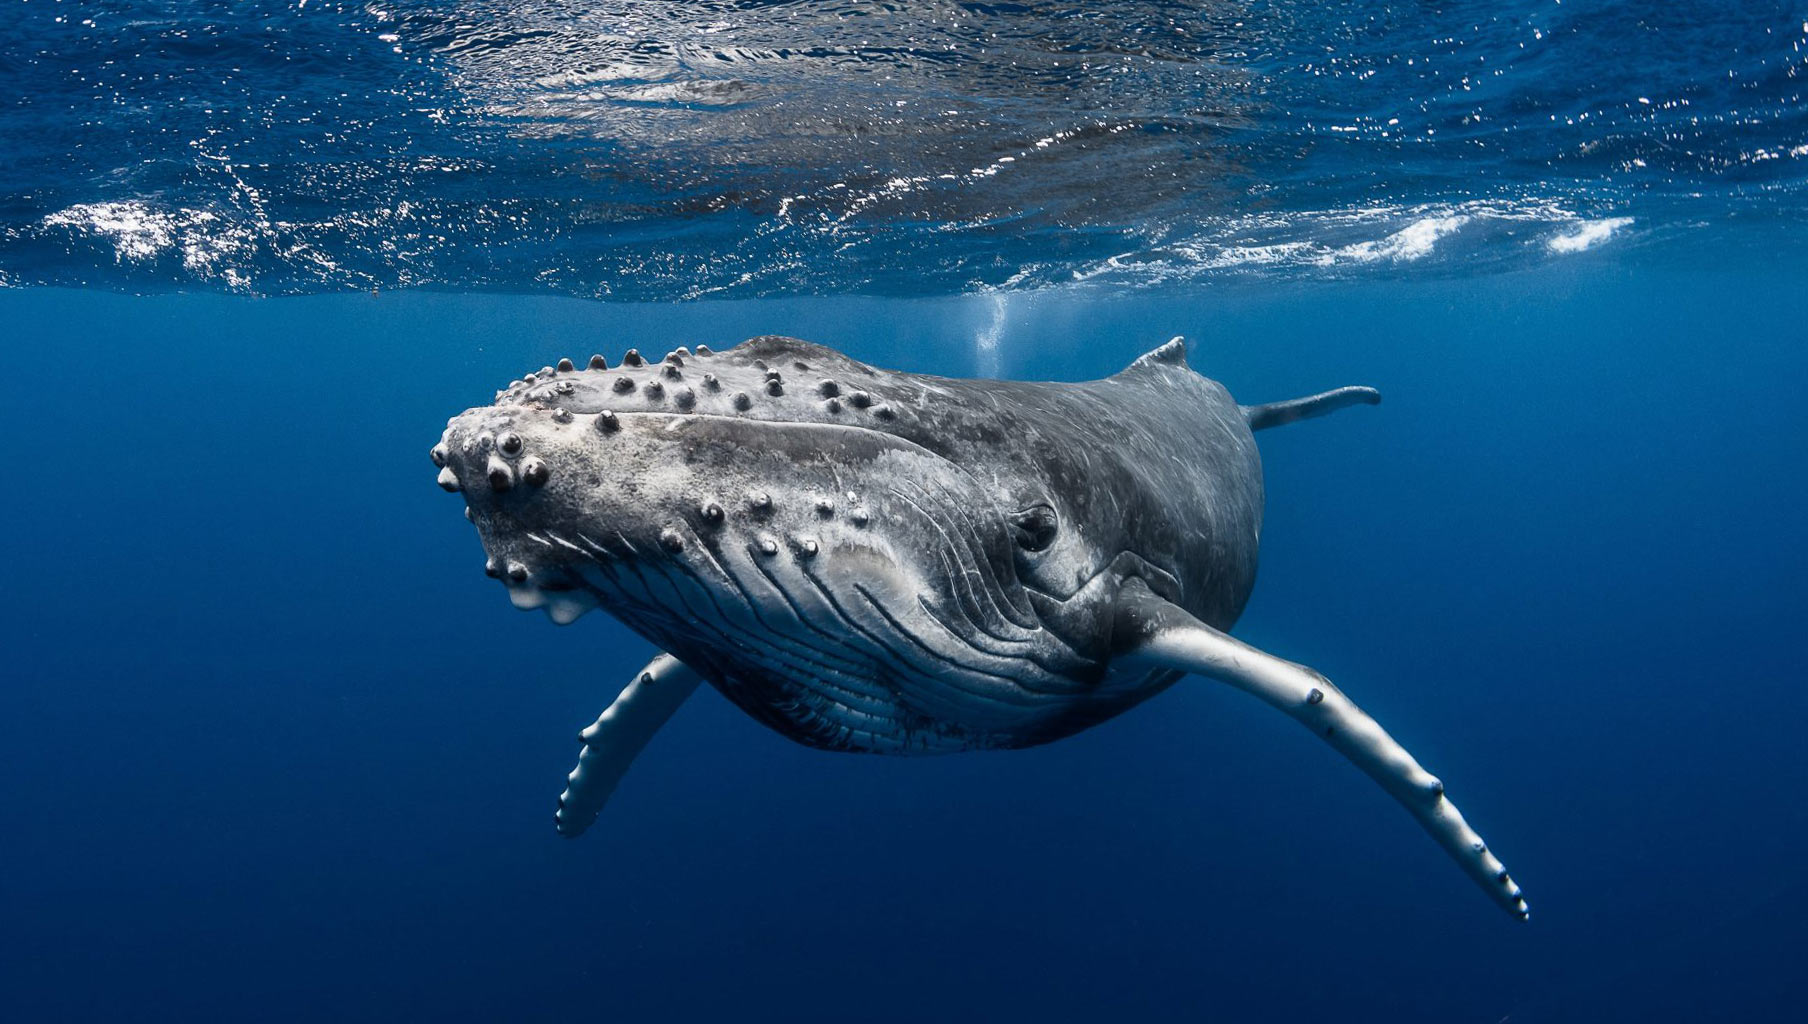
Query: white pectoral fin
[619, 735]
[1154, 630]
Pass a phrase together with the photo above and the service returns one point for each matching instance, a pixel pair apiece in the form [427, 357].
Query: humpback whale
[889, 562]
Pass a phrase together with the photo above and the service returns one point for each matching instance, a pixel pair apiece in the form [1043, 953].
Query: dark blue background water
[276, 750]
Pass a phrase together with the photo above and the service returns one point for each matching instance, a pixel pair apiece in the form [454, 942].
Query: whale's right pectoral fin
[619, 735]
[1155, 631]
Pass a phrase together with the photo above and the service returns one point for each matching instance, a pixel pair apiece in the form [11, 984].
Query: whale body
[877, 561]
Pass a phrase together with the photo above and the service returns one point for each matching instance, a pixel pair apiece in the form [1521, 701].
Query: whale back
[1154, 467]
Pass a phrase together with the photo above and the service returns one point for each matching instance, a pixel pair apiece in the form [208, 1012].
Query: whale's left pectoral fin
[1155, 631]
[623, 730]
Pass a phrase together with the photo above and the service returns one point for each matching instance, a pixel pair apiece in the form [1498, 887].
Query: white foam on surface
[211, 246]
[1413, 242]
[1587, 235]
[136, 231]
[1338, 241]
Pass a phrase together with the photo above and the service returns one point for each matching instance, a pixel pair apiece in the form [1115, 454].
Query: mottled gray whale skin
[870, 560]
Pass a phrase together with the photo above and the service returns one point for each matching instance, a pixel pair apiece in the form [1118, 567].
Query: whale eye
[1035, 527]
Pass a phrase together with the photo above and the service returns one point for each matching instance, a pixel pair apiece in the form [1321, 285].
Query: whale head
[556, 495]
[831, 575]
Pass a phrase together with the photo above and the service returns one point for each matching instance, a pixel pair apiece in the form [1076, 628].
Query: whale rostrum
[878, 561]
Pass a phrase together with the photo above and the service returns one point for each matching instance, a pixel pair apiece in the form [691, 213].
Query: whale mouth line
[897, 441]
[677, 418]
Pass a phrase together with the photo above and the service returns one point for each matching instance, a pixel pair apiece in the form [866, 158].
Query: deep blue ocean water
[276, 750]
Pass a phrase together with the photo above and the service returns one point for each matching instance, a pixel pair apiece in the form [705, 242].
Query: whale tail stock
[1274, 414]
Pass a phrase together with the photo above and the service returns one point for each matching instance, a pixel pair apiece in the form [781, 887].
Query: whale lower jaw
[563, 607]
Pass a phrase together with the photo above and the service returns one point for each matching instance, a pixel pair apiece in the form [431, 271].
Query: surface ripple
[656, 150]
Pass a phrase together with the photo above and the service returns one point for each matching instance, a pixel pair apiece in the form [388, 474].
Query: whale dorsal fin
[1169, 353]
